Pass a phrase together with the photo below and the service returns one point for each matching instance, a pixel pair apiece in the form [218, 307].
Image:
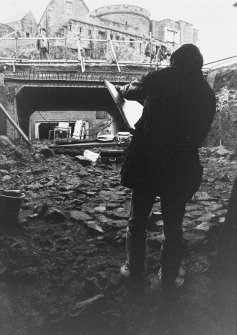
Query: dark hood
[187, 57]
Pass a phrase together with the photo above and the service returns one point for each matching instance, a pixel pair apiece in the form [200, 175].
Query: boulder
[80, 216]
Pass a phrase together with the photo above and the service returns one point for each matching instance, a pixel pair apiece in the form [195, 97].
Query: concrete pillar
[3, 99]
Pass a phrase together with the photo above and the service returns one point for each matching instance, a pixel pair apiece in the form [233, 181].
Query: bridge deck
[67, 73]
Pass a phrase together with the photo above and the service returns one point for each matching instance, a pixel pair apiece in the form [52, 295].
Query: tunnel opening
[44, 130]
[69, 124]
[41, 109]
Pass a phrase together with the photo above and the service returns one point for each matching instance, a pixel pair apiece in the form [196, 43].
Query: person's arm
[137, 89]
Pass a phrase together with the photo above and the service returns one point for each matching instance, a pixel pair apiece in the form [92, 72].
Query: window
[27, 34]
[111, 36]
[102, 34]
[69, 7]
[131, 42]
[89, 32]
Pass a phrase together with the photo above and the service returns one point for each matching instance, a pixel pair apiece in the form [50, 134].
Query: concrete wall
[3, 100]
[8, 100]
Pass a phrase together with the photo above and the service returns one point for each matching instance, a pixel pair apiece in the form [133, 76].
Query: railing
[18, 51]
[71, 76]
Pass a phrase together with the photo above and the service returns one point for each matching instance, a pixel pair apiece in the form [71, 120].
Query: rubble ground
[59, 268]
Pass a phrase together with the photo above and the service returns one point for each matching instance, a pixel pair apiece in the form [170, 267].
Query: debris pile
[63, 260]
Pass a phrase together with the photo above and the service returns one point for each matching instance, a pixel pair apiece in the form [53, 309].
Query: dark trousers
[171, 252]
[44, 53]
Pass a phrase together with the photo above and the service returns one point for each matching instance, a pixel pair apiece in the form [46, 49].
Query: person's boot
[124, 270]
[134, 281]
[169, 280]
[172, 271]
[133, 269]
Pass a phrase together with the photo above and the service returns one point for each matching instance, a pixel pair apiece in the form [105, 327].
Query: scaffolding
[23, 52]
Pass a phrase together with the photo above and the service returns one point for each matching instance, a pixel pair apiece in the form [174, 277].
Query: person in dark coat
[162, 159]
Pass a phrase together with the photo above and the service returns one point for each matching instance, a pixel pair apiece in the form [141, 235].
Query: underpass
[61, 93]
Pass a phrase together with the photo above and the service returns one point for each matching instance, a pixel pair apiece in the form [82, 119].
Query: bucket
[10, 205]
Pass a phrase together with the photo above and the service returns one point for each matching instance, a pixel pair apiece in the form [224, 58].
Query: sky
[216, 20]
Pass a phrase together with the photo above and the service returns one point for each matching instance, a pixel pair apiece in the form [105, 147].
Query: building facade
[59, 12]
[126, 45]
[128, 27]
[133, 17]
[124, 19]
[174, 33]
[25, 25]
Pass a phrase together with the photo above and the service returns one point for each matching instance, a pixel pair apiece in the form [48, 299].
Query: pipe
[114, 55]
[10, 119]
[5, 37]
[80, 58]
[220, 60]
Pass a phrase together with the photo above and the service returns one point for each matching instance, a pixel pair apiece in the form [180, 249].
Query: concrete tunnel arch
[62, 98]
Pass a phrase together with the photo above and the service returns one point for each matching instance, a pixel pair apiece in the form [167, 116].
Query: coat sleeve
[136, 90]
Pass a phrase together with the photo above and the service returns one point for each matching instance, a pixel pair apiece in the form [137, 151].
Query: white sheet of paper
[131, 111]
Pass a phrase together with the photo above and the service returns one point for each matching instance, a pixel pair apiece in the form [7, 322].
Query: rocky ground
[59, 268]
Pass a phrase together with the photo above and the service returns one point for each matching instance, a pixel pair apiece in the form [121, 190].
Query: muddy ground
[59, 266]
